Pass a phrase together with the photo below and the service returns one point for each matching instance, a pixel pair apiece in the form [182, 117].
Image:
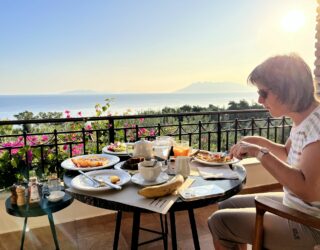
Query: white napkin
[217, 172]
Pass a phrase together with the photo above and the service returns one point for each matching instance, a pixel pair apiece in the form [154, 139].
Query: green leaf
[14, 162]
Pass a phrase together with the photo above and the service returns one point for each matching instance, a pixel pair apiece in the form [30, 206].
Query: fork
[224, 154]
[99, 182]
[194, 154]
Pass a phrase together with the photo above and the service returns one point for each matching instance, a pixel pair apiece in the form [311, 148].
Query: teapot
[143, 148]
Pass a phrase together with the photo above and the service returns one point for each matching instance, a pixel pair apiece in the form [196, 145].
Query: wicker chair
[264, 204]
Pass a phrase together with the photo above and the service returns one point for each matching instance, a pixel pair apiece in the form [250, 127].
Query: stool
[44, 207]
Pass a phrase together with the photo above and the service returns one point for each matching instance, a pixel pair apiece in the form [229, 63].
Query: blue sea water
[14, 104]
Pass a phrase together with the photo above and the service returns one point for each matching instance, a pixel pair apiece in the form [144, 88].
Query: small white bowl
[56, 196]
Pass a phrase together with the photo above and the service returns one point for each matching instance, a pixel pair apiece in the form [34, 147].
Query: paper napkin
[217, 172]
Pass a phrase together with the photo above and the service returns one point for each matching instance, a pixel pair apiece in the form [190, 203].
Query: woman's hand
[244, 149]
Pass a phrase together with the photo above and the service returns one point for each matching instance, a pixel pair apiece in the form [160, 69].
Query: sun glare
[293, 21]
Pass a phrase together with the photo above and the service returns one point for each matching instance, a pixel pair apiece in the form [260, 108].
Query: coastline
[14, 104]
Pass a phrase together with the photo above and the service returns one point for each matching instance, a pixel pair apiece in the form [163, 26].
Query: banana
[163, 189]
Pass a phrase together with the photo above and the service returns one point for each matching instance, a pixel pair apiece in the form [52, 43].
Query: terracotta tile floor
[97, 233]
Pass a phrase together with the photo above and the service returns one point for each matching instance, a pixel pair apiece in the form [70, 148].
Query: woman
[285, 87]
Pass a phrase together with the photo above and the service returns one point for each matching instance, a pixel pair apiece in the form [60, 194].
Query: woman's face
[271, 102]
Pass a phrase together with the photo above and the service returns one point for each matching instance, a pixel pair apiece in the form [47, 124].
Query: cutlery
[99, 182]
[224, 154]
[154, 162]
[158, 158]
[194, 154]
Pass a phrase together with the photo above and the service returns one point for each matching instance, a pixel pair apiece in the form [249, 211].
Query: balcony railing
[43, 144]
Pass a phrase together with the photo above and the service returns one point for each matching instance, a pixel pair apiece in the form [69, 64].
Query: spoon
[153, 164]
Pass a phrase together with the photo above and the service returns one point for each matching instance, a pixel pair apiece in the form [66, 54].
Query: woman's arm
[280, 150]
[304, 180]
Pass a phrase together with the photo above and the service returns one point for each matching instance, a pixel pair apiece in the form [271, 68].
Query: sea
[120, 103]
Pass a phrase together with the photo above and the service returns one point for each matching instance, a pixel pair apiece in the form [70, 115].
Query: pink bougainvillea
[44, 138]
[68, 113]
[152, 132]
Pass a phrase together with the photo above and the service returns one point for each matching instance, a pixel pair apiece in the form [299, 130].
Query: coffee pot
[143, 148]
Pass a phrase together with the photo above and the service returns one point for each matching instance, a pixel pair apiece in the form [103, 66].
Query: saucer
[138, 179]
[56, 196]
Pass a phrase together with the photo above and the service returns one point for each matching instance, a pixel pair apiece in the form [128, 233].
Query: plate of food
[214, 158]
[90, 162]
[130, 165]
[118, 177]
[117, 148]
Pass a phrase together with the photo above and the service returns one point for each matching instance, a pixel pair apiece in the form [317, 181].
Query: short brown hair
[289, 78]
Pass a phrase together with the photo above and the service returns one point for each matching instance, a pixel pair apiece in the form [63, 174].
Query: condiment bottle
[14, 195]
[21, 199]
[33, 190]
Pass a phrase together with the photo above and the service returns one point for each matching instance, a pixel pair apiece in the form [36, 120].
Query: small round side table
[44, 207]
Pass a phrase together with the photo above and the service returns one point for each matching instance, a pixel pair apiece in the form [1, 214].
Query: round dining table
[230, 188]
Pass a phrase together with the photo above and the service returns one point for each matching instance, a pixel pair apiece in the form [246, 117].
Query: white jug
[143, 148]
[183, 166]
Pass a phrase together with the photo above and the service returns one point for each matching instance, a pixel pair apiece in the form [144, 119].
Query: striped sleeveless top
[306, 132]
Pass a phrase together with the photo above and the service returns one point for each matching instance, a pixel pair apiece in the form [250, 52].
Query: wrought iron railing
[43, 144]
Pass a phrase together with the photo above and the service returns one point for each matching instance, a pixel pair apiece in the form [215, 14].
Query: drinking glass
[54, 184]
[129, 148]
[181, 148]
[161, 150]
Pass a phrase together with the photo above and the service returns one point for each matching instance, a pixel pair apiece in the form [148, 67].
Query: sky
[145, 45]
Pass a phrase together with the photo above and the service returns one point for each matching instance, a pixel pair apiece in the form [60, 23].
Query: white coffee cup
[148, 171]
[183, 165]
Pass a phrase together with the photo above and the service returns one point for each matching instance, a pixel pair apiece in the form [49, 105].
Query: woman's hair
[289, 78]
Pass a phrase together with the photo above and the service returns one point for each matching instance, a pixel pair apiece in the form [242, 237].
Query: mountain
[80, 92]
[215, 87]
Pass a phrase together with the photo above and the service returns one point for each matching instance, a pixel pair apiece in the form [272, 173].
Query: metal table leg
[194, 229]
[135, 230]
[117, 230]
[173, 230]
[53, 230]
[164, 231]
[24, 231]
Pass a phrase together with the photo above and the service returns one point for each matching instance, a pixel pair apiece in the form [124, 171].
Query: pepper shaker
[21, 199]
[14, 195]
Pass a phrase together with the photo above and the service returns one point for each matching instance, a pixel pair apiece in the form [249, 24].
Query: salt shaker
[33, 190]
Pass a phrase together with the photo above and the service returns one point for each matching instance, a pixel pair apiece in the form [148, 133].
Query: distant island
[193, 88]
[215, 87]
[80, 92]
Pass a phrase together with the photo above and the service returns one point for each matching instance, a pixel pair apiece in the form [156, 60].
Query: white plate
[107, 151]
[119, 165]
[232, 161]
[56, 196]
[138, 179]
[68, 164]
[83, 183]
